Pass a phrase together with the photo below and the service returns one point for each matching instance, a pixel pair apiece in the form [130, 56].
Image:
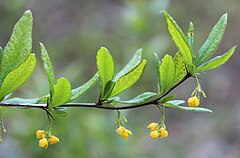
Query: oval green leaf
[178, 38]
[136, 59]
[62, 92]
[140, 99]
[128, 79]
[212, 42]
[157, 67]
[105, 66]
[188, 109]
[19, 46]
[78, 92]
[167, 73]
[48, 68]
[17, 77]
[217, 61]
[180, 68]
[22, 101]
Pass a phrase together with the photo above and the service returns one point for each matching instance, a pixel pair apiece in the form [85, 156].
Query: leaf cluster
[17, 63]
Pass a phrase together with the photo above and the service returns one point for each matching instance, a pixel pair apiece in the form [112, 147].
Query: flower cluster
[157, 131]
[43, 142]
[194, 100]
[123, 132]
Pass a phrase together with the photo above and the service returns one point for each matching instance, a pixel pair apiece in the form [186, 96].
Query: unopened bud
[125, 120]
[4, 131]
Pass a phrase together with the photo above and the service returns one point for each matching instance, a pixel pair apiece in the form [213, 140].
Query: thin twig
[98, 105]
[49, 115]
[158, 106]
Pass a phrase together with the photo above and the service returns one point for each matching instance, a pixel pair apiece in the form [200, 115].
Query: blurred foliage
[74, 30]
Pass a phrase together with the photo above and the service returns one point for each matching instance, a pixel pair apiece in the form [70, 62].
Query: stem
[98, 105]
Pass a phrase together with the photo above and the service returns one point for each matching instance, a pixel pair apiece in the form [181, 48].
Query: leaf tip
[156, 55]
[234, 47]
[42, 47]
[41, 44]
[163, 12]
[166, 14]
[28, 13]
[225, 15]
[191, 27]
[140, 50]
[103, 48]
[144, 61]
[232, 50]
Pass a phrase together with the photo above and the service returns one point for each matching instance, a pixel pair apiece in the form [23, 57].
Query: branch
[96, 105]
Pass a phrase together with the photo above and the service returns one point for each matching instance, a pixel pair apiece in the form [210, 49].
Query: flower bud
[123, 132]
[53, 139]
[40, 134]
[153, 126]
[163, 133]
[193, 101]
[154, 134]
[43, 143]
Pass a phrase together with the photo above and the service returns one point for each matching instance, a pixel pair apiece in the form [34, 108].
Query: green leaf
[19, 46]
[27, 101]
[190, 38]
[178, 38]
[1, 54]
[188, 109]
[136, 59]
[60, 111]
[212, 42]
[17, 77]
[140, 99]
[108, 89]
[78, 92]
[167, 98]
[217, 61]
[22, 101]
[105, 66]
[180, 68]
[48, 68]
[7, 96]
[176, 102]
[128, 79]
[157, 66]
[62, 92]
[191, 68]
[45, 99]
[167, 72]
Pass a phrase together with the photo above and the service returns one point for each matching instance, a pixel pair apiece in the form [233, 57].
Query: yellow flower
[163, 133]
[154, 134]
[43, 143]
[123, 132]
[153, 126]
[53, 139]
[193, 101]
[40, 134]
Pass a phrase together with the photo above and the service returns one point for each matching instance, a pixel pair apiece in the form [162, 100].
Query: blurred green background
[74, 30]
